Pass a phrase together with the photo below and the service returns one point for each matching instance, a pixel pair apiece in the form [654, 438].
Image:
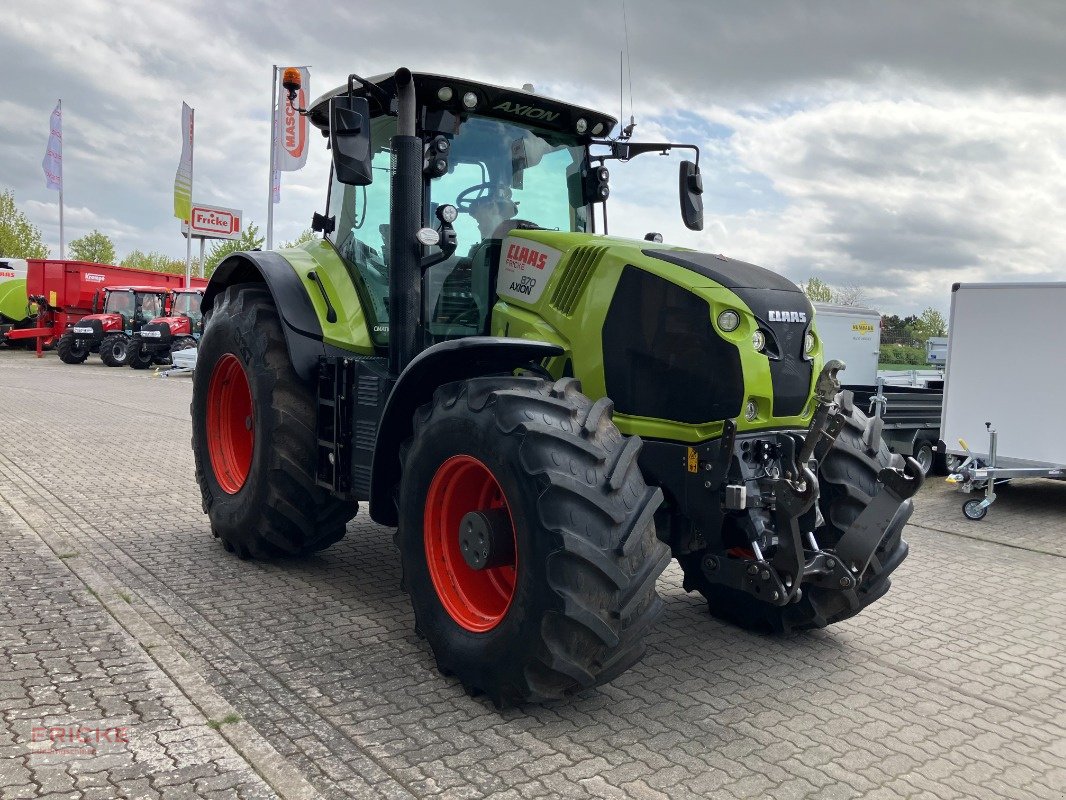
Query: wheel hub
[486, 538]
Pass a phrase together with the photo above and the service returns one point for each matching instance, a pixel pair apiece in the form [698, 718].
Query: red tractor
[126, 310]
[179, 330]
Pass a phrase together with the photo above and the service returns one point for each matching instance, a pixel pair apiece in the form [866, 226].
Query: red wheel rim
[230, 428]
[476, 600]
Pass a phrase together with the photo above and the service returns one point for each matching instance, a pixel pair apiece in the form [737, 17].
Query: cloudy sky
[897, 146]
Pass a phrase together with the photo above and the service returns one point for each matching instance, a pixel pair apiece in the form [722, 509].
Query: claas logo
[863, 327]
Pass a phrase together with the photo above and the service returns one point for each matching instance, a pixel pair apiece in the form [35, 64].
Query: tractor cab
[126, 308]
[494, 160]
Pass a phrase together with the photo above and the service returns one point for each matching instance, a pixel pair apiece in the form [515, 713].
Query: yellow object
[693, 460]
[52, 298]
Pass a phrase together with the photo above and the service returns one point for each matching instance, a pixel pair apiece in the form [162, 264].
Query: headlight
[751, 411]
[758, 340]
[808, 343]
[728, 321]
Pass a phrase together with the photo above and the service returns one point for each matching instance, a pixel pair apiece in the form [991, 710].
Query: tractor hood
[176, 325]
[96, 325]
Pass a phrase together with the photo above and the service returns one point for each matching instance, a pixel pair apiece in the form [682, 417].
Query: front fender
[303, 332]
[456, 360]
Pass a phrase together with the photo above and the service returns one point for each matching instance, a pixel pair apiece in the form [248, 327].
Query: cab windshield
[500, 177]
[186, 304]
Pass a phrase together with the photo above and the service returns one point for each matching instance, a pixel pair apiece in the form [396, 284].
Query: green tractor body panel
[572, 309]
[13, 304]
[349, 330]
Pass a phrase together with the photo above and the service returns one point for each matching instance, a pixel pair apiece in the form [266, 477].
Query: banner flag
[183, 177]
[291, 128]
[53, 157]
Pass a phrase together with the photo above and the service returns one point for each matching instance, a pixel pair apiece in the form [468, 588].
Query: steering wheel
[463, 201]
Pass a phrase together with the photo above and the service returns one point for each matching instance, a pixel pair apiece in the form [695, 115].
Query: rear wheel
[924, 455]
[115, 350]
[71, 350]
[847, 479]
[182, 343]
[254, 436]
[527, 538]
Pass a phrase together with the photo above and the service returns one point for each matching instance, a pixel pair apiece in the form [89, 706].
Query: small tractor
[125, 310]
[179, 330]
[545, 413]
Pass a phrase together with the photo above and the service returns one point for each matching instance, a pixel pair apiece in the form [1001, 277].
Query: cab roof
[500, 102]
[154, 289]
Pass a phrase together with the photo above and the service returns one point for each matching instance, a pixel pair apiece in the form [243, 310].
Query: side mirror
[349, 138]
[691, 189]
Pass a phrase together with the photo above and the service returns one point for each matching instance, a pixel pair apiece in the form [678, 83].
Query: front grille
[662, 357]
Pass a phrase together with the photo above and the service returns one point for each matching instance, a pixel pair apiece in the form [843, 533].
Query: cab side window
[361, 233]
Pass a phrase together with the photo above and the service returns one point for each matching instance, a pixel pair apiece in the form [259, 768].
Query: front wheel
[253, 436]
[527, 539]
[115, 350]
[72, 350]
[140, 358]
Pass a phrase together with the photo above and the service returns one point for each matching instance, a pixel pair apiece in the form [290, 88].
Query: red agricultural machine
[180, 329]
[65, 292]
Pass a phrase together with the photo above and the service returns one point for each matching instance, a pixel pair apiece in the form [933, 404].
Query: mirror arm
[624, 151]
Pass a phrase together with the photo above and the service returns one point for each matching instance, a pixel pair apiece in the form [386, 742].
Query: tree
[930, 323]
[93, 246]
[850, 295]
[157, 262]
[18, 237]
[250, 240]
[817, 291]
[307, 236]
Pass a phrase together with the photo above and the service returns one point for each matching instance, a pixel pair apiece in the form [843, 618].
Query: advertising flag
[53, 157]
[183, 177]
[291, 127]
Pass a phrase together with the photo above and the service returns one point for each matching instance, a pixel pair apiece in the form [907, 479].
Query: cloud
[894, 144]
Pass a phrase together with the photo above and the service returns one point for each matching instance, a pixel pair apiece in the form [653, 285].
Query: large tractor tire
[253, 436]
[182, 343]
[115, 349]
[534, 480]
[847, 479]
[139, 358]
[71, 350]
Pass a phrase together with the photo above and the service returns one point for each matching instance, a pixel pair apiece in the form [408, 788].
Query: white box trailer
[1005, 380]
[851, 334]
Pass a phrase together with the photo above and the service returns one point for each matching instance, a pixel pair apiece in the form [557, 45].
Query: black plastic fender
[303, 333]
[456, 360]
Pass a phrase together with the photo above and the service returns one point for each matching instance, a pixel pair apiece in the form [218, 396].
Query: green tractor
[545, 413]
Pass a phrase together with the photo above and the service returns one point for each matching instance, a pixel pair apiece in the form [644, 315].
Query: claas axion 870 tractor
[546, 414]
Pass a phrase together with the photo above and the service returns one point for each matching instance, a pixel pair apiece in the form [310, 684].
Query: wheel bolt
[829, 562]
[753, 569]
[845, 583]
[765, 574]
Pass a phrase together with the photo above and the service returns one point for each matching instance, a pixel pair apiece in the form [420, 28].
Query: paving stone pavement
[953, 686]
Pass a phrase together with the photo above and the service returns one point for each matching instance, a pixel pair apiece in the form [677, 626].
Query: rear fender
[303, 332]
[455, 360]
